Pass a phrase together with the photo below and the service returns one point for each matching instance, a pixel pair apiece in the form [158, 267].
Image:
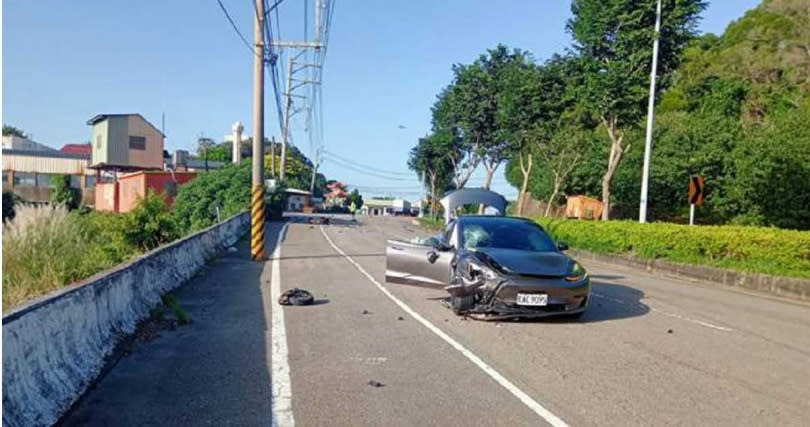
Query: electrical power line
[235, 28]
[371, 168]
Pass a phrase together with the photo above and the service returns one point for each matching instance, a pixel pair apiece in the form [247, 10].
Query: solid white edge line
[500, 379]
[281, 401]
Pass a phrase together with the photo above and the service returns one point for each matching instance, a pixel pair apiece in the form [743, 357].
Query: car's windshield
[505, 234]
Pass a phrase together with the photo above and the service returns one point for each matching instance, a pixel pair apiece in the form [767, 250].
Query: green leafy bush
[752, 249]
[150, 224]
[64, 194]
[195, 206]
[9, 200]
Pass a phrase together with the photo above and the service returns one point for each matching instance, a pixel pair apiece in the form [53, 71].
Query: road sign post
[691, 214]
[697, 189]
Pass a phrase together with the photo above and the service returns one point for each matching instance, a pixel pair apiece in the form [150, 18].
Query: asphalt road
[649, 351]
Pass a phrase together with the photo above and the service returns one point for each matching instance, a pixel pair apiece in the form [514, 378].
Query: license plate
[532, 299]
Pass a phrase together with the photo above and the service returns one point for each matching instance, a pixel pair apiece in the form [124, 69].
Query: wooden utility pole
[257, 177]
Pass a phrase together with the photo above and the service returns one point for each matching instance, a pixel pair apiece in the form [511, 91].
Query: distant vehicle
[494, 267]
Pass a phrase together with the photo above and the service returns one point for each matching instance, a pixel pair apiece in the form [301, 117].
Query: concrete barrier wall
[55, 346]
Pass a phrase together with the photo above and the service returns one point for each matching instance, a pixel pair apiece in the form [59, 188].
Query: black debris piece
[366, 312]
[400, 318]
[669, 331]
[296, 296]
[373, 383]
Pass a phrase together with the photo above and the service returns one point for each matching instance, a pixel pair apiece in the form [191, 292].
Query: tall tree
[530, 110]
[462, 153]
[614, 40]
[429, 160]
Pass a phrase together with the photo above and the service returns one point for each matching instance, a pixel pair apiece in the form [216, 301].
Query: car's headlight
[576, 273]
[475, 269]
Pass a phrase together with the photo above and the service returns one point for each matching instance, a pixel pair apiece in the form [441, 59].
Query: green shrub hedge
[752, 249]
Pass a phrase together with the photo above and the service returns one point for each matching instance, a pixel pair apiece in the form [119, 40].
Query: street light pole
[645, 178]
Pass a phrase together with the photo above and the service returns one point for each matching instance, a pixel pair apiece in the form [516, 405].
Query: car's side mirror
[562, 246]
[442, 247]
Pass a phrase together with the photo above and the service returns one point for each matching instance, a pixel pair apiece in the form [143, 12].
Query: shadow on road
[607, 276]
[609, 301]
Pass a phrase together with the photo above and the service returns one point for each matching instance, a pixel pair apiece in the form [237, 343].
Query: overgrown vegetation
[228, 189]
[9, 201]
[732, 108]
[47, 247]
[64, 194]
[751, 249]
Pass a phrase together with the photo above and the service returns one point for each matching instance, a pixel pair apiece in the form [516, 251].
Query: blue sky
[65, 61]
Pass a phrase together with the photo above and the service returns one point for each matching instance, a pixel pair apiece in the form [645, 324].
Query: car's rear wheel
[462, 304]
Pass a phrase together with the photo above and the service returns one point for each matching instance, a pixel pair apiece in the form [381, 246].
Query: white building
[296, 199]
[13, 142]
[377, 207]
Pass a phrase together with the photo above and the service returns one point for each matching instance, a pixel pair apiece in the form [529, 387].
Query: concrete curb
[785, 287]
[54, 346]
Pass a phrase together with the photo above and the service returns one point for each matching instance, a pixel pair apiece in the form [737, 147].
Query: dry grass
[43, 248]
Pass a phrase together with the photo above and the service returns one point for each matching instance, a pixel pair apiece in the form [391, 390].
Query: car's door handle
[397, 248]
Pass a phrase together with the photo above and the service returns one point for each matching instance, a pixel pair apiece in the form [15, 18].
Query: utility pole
[257, 178]
[316, 45]
[645, 177]
[286, 134]
[314, 171]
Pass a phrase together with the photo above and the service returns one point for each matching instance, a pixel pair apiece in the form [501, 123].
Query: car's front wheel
[460, 305]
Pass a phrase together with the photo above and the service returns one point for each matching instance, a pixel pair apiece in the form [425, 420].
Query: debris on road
[373, 383]
[366, 311]
[669, 331]
[400, 318]
[296, 296]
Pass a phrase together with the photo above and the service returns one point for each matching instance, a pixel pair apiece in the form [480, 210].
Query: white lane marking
[280, 367]
[662, 312]
[489, 370]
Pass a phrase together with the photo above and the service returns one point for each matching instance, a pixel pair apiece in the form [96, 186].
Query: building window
[25, 179]
[98, 142]
[137, 143]
[90, 181]
[47, 180]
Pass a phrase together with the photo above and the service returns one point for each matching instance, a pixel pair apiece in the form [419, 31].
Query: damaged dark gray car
[494, 267]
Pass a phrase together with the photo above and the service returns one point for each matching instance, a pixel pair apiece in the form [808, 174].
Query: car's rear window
[505, 234]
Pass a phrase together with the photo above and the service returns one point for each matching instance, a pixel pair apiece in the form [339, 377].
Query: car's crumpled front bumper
[497, 298]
